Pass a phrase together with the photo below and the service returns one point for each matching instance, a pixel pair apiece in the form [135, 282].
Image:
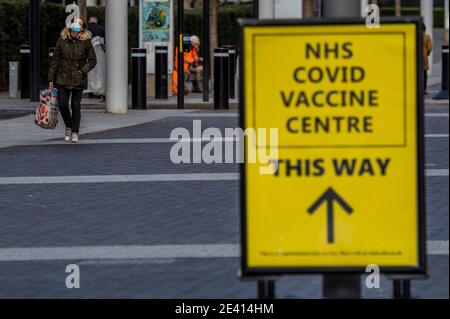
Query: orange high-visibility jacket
[189, 59]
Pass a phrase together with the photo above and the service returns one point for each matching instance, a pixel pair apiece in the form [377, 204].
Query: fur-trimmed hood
[84, 35]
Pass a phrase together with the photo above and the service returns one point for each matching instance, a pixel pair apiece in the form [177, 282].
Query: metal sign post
[206, 51]
[34, 75]
[180, 69]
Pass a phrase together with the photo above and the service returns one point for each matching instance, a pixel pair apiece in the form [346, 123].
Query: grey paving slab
[436, 152]
[69, 159]
[181, 278]
[145, 213]
[436, 125]
[10, 114]
[125, 214]
[164, 127]
[155, 213]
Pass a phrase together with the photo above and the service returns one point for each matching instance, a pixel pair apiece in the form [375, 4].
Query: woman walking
[73, 58]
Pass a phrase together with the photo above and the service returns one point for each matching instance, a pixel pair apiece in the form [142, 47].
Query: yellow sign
[345, 190]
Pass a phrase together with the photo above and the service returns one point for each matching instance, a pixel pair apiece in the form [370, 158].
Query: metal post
[406, 289]
[443, 94]
[446, 20]
[266, 9]
[139, 78]
[256, 9]
[116, 56]
[161, 66]
[266, 289]
[180, 69]
[402, 288]
[341, 285]
[271, 289]
[205, 51]
[51, 50]
[221, 78]
[261, 289]
[341, 8]
[397, 288]
[364, 4]
[34, 25]
[24, 72]
[231, 70]
[13, 79]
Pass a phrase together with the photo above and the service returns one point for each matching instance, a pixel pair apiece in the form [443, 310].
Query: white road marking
[437, 247]
[118, 178]
[20, 180]
[159, 140]
[236, 114]
[436, 172]
[436, 114]
[206, 114]
[134, 141]
[119, 252]
[436, 135]
[136, 252]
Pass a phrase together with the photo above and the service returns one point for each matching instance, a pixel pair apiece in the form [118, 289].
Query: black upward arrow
[329, 196]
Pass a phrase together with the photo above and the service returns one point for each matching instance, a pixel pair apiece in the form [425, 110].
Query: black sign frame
[261, 272]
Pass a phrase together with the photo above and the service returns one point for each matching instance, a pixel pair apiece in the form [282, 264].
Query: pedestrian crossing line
[436, 135]
[231, 113]
[20, 180]
[436, 114]
[160, 140]
[135, 252]
[118, 178]
[236, 114]
[436, 172]
[134, 141]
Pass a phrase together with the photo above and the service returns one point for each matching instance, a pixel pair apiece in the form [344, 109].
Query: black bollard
[341, 286]
[34, 34]
[25, 71]
[231, 70]
[221, 90]
[161, 72]
[402, 289]
[443, 93]
[255, 9]
[206, 51]
[51, 50]
[139, 78]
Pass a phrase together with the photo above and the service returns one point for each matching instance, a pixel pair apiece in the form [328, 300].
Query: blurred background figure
[427, 48]
[97, 77]
[96, 29]
[193, 68]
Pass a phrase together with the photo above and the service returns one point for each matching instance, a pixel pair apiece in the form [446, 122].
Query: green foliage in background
[14, 27]
[14, 31]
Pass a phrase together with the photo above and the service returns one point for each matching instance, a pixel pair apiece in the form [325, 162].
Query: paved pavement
[140, 226]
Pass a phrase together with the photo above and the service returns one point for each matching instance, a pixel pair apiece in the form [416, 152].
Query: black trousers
[70, 120]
